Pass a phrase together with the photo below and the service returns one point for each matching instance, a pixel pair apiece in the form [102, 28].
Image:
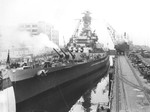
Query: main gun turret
[73, 56]
[60, 55]
[66, 55]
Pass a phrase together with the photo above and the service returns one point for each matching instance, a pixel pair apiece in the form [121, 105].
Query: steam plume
[12, 38]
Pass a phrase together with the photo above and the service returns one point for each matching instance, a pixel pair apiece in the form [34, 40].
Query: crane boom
[77, 28]
[120, 41]
[112, 34]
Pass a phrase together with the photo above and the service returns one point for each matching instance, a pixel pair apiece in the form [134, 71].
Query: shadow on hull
[61, 98]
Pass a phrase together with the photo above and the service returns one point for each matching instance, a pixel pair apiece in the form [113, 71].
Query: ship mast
[84, 38]
[86, 19]
[86, 23]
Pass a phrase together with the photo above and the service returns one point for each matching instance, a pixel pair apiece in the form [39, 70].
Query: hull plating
[62, 97]
[28, 86]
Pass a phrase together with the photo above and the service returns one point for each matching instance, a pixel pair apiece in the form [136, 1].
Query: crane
[77, 28]
[120, 44]
[112, 34]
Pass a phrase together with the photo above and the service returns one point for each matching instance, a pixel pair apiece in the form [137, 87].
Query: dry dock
[130, 90]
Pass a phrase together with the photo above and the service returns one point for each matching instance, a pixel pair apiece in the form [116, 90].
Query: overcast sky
[131, 16]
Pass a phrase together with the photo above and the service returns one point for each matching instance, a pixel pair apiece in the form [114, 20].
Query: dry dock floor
[130, 89]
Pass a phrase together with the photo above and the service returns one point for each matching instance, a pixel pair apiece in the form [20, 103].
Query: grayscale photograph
[74, 56]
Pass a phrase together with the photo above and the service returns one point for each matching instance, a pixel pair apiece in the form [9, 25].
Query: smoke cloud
[12, 38]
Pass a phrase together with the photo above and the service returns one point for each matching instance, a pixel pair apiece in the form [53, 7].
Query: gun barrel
[66, 55]
[73, 56]
[63, 52]
[58, 53]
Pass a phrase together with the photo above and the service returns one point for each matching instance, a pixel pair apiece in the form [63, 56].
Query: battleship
[80, 57]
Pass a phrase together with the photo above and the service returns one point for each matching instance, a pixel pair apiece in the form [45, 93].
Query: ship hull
[62, 97]
[28, 89]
